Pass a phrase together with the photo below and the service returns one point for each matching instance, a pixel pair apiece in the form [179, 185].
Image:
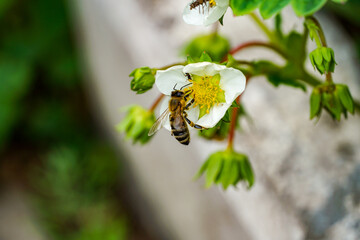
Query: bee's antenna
[185, 86]
[174, 87]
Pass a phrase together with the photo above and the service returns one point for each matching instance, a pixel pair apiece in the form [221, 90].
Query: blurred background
[64, 171]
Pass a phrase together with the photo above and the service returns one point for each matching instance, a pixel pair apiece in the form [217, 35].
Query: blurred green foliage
[43, 108]
[80, 188]
[348, 15]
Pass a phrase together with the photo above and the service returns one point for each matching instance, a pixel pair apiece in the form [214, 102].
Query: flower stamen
[206, 92]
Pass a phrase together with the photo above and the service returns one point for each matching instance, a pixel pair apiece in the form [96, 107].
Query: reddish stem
[257, 44]
[233, 125]
[329, 77]
[157, 101]
[234, 119]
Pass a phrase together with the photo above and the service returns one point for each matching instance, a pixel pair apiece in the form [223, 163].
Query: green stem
[263, 27]
[309, 79]
[320, 31]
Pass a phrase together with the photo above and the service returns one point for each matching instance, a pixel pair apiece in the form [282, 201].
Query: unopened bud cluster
[227, 168]
[334, 98]
[323, 59]
[137, 123]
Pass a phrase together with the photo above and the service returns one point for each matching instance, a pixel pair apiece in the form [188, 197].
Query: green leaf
[278, 78]
[295, 45]
[241, 7]
[271, 7]
[307, 7]
[345, 97]
[340, 1]
[315, 103]
[205, 57]
[213, 169]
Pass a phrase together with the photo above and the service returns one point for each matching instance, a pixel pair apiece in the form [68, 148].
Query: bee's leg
[189, 104]
[187, 94]
[192, 124]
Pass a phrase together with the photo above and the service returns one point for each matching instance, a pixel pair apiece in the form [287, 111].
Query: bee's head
[177, 93]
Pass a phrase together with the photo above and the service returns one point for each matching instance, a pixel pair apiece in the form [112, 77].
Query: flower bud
[336, 99]
[213, 44]
[227, 168]
[143, 80]
[323, 59]
[137, 124]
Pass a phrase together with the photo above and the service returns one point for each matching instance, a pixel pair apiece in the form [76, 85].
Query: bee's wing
[159, 122]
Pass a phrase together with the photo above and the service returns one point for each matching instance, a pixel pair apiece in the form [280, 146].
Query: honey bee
[177, 116]
[197, 3]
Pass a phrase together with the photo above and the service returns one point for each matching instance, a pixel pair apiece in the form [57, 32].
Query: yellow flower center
[212, 3]
[206, 92]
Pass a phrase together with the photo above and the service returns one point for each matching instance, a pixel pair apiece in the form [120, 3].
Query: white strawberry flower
[214, 88]
[204, 12]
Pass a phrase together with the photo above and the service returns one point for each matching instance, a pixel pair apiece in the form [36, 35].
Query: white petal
[203, 14]
[163, 106]
[203, 68]
[215, 115]
[193, 114]
[166, 80]
[233, 82]
[215, 15]
[222, 3]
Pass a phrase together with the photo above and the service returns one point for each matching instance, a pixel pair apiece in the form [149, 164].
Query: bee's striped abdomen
[182, 136]
[179, 129]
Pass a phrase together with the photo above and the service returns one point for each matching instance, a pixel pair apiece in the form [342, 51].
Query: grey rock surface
[307, 174]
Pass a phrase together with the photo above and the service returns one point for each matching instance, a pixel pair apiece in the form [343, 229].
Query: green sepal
[246, 170]
[201, 170]
[315, 103]
[221, 20]
[219, 132]
[205, 57]
[332, 104]
[345, 97]
[225, 176]
[213, 169]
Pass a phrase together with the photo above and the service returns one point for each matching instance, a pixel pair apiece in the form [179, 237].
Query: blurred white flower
[214, 88]
[204, 12]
